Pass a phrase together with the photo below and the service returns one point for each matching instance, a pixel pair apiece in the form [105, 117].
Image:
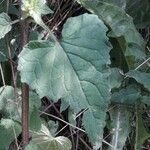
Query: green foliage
[3, 6]
[115, 78]
[90, 63]
[43, 140]
[35, 9]
[7, 101]
[120, 126]
[128, 95]
[76, 70]
[35, 121]
[9, 130]
[5, 24]
[146, 100]
[121, 25]
[3, 50]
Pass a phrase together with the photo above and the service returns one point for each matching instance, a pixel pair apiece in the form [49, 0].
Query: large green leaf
[145, 100]
[74, 70]
[141, 77]
[7, 101]
[43, 140]
[10, 107]
[9, 130]
[121, 25]
[5, 24]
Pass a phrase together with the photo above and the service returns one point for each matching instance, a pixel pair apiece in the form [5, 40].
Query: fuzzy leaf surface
[121, 25]
[73, 70]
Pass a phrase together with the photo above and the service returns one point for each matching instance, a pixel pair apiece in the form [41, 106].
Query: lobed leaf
[140, 11]
[44, 141]
[74, 70]
[128, 95]
[7, 101]
[35, 121]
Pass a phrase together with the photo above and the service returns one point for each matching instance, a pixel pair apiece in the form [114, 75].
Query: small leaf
[7, 101]
[120, 117]
[5, 24]
[115, 78]
[9, 130]
[44, 141]
[128, 95]
[9, 107]
[141, 77]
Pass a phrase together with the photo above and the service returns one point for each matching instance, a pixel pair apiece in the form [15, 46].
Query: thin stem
[25, 90]
[87, 146]
[75, 118]
[142, 63]
[2, 74]
[15, 21]
[64, 121]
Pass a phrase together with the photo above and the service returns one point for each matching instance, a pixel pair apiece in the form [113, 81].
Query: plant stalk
[25, 90]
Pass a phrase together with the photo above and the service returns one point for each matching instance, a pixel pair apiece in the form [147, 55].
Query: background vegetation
[74, 74]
